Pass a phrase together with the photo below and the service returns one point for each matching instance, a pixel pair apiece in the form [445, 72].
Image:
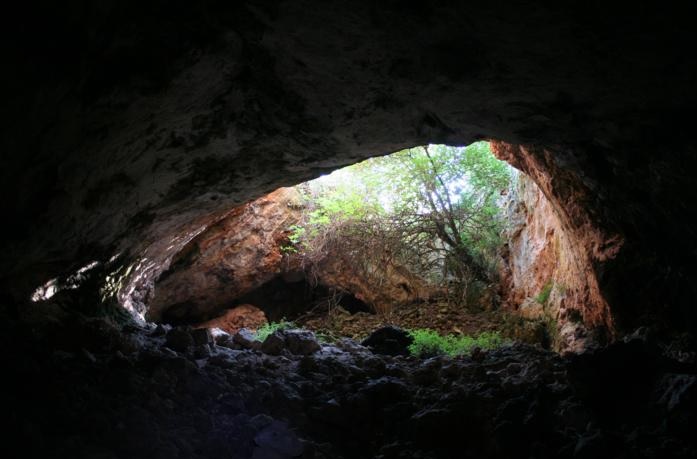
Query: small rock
[202, 336]
[301, 342]
[179, 339]
[202, 351]
[389, 340]
[274, 344]
[220, 336]
[349, 345]
[161, 330]
[246, 339]
[277, 438]
[222, 361]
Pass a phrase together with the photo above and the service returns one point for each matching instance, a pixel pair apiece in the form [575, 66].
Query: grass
[544, 294]
[268, 328]
[428, 343]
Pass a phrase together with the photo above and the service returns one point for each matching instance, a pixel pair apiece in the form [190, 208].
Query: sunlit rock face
[546, 274]
[231, 258]
[244, 252]
[117, 138]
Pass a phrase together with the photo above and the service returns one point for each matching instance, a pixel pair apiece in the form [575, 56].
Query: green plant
[428, 343]
[544, 293]
[295, 236]
[268, 328]
[288, 249]
[296, 233]
[435, 210]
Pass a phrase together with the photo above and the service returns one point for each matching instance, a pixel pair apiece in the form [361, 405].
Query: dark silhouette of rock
[179, 339]
[274, 344]
[389, 340]
[301, 342]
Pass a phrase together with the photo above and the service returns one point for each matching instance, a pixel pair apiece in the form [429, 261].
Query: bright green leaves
[429, 343]
[435, 208]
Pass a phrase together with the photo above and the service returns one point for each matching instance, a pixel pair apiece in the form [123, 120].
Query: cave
[297, 298]
[134, 132]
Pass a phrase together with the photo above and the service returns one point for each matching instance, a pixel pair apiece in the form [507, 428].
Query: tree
[434, 209]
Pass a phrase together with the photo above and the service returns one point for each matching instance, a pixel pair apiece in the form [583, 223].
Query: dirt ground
[444, 318]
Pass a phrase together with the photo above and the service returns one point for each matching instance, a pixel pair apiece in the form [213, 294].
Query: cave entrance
[415, 238]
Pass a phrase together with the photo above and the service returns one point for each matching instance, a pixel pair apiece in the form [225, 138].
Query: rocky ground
[439, 316]
[92, 390]
[443, 317]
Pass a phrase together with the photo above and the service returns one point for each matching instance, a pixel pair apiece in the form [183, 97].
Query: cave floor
[92, 390]
[439, 316]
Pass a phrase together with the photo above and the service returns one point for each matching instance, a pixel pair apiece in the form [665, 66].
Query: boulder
[274, 344]
[202, 336]
[246, 339]
[389, 340]
[179, 339]
[301, 342]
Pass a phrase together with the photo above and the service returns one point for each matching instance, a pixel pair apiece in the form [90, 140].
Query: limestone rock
[531, 309]
[234, 319]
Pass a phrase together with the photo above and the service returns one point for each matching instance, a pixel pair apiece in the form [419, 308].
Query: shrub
[428, 343]
[265, 330]
[544, 294]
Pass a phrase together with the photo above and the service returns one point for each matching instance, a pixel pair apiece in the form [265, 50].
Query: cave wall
[128, 124]
[230, 258]
[546, 274]
[241, 259]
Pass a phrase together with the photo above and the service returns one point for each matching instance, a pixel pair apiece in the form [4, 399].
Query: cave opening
[433, 239]
[155, 130]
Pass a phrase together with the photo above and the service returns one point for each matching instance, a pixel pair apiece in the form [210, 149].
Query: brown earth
[444, 318]
[242, 316]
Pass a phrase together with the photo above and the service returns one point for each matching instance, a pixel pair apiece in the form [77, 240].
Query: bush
[544, 294]
[428, 343]
[265, 330]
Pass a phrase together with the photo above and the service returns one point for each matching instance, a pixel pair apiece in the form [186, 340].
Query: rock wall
[119, 137]
[544, 276]
[230, 258]
[244, 251]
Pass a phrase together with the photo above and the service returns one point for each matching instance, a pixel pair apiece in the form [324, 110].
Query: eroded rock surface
[208, 401]
[149, 133]
[546, 272]
[245, 251]
[242, 316]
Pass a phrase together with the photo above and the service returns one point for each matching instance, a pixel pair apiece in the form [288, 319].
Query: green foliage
[545, 293]
[428, 343]
[268, 328]
[296, 233]
[294, 238]
[435, 208]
